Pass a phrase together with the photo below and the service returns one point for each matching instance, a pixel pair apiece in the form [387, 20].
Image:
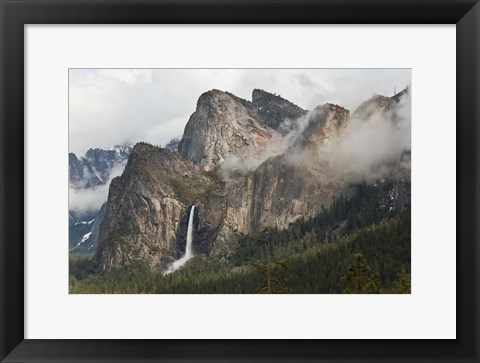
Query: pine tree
[274, 282]
[403, 283]
[359, 278]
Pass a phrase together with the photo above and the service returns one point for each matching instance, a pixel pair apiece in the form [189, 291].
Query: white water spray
[188, 248]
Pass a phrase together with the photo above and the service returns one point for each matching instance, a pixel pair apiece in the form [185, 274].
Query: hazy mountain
[88, 175]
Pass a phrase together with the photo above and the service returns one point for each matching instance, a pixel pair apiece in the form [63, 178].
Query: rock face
[147, 210]
[267, 196]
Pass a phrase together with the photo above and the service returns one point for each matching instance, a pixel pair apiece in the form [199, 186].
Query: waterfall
[188, 248]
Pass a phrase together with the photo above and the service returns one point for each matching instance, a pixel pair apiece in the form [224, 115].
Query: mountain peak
[259, 95]
[218, 98]
[211, 93]
[273, 109]
[145, 148]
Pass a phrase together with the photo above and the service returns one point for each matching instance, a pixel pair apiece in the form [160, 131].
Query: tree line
[351, 247]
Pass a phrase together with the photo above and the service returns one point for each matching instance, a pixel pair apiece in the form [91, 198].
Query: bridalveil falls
[188, 248]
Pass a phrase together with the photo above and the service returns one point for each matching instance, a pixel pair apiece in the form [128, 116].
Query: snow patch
[85, 237]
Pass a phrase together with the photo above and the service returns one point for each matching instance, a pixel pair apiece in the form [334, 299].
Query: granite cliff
[244, 164]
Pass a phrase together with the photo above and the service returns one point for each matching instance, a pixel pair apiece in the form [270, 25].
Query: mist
[370, 149]
[84, 201]
[375, 145]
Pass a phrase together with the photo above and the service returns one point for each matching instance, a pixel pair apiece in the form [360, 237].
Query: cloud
[82, 201]
[130, 77]
[119, 106]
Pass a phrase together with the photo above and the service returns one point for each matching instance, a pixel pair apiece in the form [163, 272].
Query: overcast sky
[110, 107]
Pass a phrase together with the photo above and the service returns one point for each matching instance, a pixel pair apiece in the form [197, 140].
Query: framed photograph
[239, 181]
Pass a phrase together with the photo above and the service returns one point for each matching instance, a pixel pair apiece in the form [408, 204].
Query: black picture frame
[17, 13]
